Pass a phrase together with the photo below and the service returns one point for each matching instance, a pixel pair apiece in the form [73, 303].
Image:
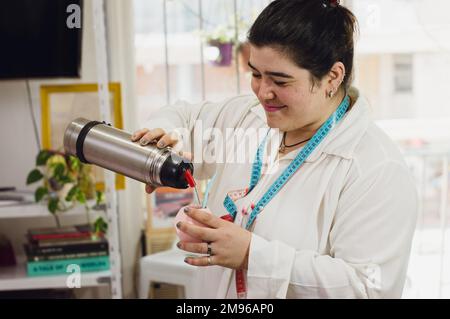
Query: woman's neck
[307, 132]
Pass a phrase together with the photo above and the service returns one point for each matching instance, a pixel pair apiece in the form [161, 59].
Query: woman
[333, 212]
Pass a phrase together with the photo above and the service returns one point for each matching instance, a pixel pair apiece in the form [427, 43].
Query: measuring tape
[229, 204]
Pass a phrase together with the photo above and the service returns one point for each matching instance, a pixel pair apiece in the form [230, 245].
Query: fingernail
[178, 224]
[179, 245]
[161, 144]
[144, 142]
[186, 260]
[187, 210]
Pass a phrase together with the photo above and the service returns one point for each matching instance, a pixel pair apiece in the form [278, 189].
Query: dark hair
[313, 33]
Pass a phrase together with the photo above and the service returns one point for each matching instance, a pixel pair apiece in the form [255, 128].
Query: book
[57, 267]
[62, 242]
[67, 232]
[63, 248]
[75, 255]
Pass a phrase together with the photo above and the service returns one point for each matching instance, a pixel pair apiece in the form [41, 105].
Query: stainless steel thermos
[101, 144]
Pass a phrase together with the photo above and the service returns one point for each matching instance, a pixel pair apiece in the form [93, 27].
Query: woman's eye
[279, 83]
[256, 75]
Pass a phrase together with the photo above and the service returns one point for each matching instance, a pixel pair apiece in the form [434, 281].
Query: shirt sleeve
[370, 243]
[193, 124]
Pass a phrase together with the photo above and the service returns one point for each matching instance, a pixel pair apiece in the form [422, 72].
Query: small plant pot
[225, 56]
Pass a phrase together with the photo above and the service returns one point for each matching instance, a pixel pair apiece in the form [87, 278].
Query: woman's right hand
[162, 139]
[158, 135]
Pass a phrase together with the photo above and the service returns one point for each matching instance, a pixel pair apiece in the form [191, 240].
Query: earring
[330, 94]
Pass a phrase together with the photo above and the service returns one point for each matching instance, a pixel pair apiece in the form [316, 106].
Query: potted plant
[66, 181]
[221, 42]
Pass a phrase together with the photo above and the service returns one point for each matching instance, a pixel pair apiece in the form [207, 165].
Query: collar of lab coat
[342, 139]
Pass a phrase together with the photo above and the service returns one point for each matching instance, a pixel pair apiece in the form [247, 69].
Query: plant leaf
[53, 205]
[74, 163]
[40, 193]
[65, 179]
[81, 197]
[99, 197]
[100, 226]
[42, 157]
[72, 192]
[59, 170]
[34, 176]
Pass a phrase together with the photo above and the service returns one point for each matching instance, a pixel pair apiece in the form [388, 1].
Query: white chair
[167, 267]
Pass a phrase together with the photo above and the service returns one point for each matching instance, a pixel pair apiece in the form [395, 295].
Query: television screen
[40, 38]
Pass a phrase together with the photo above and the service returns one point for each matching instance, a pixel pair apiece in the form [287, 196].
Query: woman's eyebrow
[277, 74]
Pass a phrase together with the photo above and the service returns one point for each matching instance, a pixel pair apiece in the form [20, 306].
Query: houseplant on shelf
[66, 182]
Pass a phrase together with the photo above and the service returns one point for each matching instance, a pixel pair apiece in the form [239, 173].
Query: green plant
[66, 181]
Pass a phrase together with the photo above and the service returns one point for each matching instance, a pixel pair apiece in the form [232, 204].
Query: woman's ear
[336, 76]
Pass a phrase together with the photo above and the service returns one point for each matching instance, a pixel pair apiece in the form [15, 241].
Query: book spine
[67, 256]
[65, 242]
[60, 236]
[57, 267]
[66, 249]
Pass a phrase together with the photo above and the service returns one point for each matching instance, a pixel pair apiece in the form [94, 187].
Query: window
[176, 62]
[403, 73]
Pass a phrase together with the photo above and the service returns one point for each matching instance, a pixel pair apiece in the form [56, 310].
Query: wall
[18, 143]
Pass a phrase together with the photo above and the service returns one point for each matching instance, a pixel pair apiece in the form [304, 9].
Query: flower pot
[225, 56]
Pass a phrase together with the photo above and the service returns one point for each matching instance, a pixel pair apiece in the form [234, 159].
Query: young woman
[333, 212]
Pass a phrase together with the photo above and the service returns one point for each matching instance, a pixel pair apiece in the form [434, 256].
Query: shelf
[36, 210]
[15, 278]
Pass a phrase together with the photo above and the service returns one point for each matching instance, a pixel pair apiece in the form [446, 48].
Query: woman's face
[284, 90]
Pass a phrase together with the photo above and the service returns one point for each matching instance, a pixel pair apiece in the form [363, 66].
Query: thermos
[101, 144]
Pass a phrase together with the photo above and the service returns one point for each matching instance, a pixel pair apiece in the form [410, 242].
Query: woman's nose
[266, 93]
[269, 95]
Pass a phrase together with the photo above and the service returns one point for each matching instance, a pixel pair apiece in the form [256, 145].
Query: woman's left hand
[229, 243]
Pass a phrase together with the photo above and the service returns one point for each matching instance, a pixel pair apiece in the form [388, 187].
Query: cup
[182, 217]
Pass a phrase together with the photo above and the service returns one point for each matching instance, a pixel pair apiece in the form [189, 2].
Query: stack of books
[50, 251]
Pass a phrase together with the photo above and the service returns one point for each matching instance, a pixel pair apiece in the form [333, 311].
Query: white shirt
[341, 227]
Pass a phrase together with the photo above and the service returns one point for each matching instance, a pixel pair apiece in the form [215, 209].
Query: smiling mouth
[273, 108]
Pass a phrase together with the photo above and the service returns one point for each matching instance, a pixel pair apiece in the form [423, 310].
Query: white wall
[18, 145]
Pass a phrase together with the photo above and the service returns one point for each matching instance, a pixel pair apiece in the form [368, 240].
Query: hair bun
[333, 3]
